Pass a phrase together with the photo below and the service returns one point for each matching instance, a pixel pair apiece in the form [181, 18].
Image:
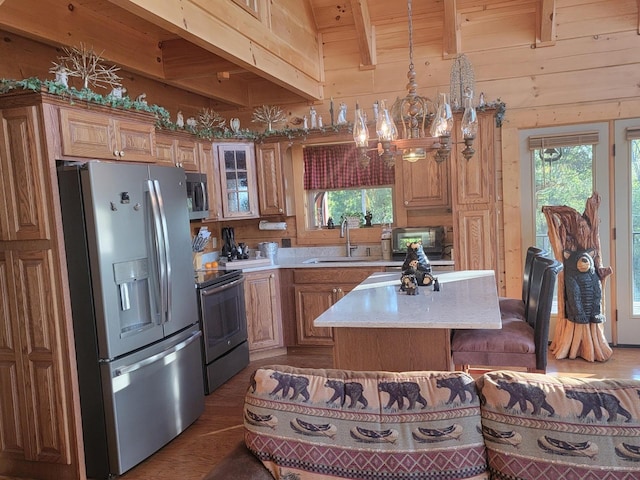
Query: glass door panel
[627, 198]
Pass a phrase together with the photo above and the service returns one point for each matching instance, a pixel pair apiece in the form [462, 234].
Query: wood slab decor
[569, 230]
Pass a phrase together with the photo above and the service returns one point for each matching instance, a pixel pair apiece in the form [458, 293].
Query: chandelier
[414, 112]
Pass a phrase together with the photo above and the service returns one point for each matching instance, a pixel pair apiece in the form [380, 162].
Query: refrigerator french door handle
[159, 356]
[160, 246]
[167, 253]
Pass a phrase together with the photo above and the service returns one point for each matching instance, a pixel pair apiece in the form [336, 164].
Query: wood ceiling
[146, 43]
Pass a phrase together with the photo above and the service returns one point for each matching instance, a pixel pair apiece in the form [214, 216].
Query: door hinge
[615, 315]
[613, 149]
[613, 233]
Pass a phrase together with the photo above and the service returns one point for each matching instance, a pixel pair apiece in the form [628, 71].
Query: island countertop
[467, 299]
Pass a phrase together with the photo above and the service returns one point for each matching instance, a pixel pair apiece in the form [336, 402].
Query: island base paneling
[392, 349]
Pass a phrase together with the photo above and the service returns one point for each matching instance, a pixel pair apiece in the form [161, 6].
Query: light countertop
[467, 299]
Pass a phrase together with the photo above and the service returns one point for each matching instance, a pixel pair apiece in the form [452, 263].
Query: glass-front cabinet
[238, 184]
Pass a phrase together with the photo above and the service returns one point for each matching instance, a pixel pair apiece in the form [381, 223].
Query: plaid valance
[329, 167]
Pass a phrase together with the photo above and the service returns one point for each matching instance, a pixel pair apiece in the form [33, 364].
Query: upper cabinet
[270, 179]
[423, 184]
[95, 135]
[476, 205]
[178, 150]
[236, 166]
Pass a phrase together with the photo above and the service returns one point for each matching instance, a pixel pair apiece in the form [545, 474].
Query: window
[562, 166]
[337, 185]
[334, 204]
[249, 5]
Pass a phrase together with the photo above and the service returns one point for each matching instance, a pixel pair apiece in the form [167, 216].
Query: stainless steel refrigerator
[134, 306]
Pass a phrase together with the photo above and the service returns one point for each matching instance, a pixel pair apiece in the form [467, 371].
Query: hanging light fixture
[361, 137]
[413, 114]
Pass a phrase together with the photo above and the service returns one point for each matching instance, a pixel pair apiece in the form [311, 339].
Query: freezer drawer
[152, 398]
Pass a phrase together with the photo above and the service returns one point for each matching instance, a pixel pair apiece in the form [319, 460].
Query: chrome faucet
[344, 228]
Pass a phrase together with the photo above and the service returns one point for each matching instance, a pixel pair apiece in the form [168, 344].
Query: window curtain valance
[328, 167]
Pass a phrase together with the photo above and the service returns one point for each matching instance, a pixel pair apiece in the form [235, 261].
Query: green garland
[163, 120]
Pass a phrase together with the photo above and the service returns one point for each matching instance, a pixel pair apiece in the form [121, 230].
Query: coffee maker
[229, 247]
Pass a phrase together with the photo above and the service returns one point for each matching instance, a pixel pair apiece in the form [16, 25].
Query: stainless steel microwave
[432, 239]
[197, 200]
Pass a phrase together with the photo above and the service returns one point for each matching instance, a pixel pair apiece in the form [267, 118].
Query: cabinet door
[311, 302]
[262, 298]
[236, 164]
[94, 135]
[270, 179]
[164, 151]
[208, 166]
[87, 135]
[135, 142]
[187, 155]
[425, 183]
[25, 214]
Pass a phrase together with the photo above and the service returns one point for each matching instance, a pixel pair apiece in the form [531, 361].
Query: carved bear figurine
[583, 290]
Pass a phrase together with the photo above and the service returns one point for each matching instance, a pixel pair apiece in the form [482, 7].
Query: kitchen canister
[269, 250]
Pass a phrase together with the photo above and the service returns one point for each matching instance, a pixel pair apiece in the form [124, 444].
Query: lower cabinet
[317, 289]
[264, 317]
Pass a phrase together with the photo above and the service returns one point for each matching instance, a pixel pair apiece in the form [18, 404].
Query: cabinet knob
[272, 276]
[122, 153]
[406, 202]
[280, 210]
[335, 290]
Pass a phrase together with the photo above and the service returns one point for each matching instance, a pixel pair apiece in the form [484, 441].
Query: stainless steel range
[223, 321]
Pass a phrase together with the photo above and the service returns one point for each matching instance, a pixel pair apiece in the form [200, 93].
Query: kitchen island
[378, 327]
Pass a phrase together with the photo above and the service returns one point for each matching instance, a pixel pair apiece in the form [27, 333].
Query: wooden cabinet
[475, 203]
[270, 179]
[96, 135]
[238, 186]
[40, 417]
[178, 150]
[208, 166]
[317, 289]
[262, 300]
[423, 184]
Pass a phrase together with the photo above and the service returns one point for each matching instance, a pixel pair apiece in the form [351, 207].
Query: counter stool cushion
[513, 344]
[313, 424]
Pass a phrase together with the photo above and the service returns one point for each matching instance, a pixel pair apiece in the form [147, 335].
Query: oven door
[223, 318]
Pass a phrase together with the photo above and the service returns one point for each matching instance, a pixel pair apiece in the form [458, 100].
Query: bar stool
[518, 343]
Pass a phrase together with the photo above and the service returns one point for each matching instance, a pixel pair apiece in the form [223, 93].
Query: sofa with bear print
[312, 424]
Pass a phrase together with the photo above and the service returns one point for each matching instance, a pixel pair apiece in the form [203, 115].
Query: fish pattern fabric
[312, 424]
[539, 427]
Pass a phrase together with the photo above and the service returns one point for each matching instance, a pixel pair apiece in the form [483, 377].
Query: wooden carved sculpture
[570, 231]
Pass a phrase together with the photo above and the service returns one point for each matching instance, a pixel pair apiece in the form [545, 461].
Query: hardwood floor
[219, 429]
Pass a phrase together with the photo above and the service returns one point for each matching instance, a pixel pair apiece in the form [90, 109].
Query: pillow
[310, 424]
[547, 428]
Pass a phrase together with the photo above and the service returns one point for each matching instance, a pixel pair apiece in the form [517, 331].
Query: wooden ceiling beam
[62, 24]
[205, 25]
[365, 33]
[451, 41]
[547, 24]
[182, 60]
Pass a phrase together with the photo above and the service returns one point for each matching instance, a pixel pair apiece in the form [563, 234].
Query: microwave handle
[200, 199]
